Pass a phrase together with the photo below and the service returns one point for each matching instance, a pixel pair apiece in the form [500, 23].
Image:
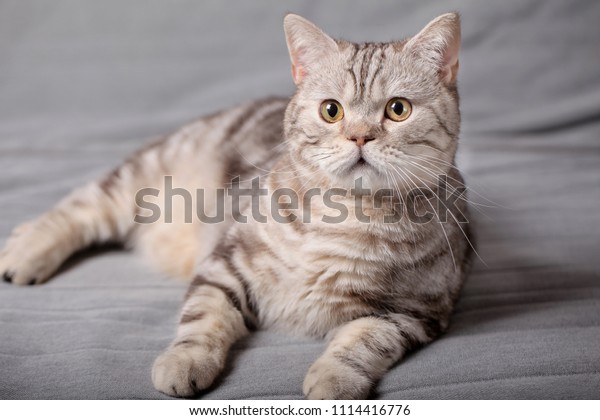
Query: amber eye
[398, 109]
[332, 111]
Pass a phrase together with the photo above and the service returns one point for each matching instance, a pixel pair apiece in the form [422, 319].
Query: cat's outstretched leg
[97, 213]
[214, 316]
[359, 354]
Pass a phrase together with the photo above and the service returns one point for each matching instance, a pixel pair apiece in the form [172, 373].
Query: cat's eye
[398, 109]
[332, 111]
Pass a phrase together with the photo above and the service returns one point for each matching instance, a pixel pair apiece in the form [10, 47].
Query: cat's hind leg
[97, 213]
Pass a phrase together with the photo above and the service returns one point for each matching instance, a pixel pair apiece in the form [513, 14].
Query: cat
[382, 114]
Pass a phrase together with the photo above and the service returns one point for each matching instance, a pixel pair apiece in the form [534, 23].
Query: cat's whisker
[437, 165]
[431, 160]
[321, 154]
[396, 188]
[251, 163]
[453, 216]
[309, 179]
[461, 195]
[455, 190]
[281, 145]
[436, 214]
[436, 176]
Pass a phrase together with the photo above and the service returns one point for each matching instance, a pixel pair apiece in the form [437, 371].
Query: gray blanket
[83, 83]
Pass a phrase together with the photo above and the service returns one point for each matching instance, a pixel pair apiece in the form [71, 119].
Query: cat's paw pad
[29, 257]
[184, 371]
[329, 379]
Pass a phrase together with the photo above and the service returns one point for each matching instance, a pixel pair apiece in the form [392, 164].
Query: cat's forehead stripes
[376, 66]
[364, 65]
[364, 62]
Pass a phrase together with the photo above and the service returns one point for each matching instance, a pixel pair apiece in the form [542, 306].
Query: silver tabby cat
[384, 114]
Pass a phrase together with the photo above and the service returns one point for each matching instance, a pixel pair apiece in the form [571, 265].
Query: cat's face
[385, 112]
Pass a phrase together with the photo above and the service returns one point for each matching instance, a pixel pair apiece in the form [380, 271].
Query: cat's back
[245, 140]
[196, 161]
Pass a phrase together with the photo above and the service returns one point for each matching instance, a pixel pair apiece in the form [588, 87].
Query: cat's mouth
[361, 163]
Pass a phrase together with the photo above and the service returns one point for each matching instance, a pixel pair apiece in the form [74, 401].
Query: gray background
[82, 83]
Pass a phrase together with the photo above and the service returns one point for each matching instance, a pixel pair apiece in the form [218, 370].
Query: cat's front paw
[29, 256]
[185, 370]
[330, 379]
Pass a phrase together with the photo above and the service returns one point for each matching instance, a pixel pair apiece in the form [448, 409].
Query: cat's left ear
[307, 45]
[439, 44]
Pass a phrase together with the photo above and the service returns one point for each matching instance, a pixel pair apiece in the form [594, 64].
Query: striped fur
[376, 290]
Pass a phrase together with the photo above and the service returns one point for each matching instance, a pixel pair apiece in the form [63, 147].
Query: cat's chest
[332, 282]
[310, 278]
[318, 302]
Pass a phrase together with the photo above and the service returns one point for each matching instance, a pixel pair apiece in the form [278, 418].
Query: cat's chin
[361, 175]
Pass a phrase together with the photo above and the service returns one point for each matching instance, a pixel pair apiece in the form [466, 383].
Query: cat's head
[386, 112]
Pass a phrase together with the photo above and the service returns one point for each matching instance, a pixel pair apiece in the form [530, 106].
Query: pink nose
[361, 140]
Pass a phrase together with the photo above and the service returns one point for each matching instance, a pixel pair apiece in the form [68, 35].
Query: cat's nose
[361, 140]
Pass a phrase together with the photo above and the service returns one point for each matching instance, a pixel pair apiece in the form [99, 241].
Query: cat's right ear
[306, 43]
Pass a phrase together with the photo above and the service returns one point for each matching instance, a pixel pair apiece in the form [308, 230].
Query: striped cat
[315, 255]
